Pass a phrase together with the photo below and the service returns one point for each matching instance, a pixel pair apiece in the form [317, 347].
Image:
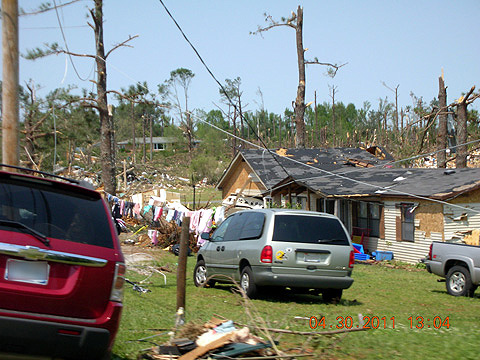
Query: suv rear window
[54, 212]
[309, 229]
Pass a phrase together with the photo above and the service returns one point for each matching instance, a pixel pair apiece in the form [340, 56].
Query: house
[389, 209]
[159, 143]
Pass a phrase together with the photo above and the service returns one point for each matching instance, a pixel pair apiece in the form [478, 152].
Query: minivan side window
[253, 226]
[244, 226]
[309, 229]
[219, 234]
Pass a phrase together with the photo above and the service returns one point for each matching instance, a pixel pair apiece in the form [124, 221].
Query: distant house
[159, 143]
[392, 209]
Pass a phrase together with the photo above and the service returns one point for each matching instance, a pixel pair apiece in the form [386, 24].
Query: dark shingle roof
[271, 167]
[327, 172]
[434, 183]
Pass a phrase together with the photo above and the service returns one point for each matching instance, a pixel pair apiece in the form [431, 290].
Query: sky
[396, 43]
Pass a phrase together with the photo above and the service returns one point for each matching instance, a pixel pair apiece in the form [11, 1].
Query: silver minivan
[301, 250]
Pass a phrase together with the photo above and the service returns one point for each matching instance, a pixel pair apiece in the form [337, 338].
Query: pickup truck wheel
[332, 296]
[459, 282]
[247, 283]
[200, 275]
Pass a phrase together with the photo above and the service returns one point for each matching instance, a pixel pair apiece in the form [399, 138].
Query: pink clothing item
[194, 220]
[122, 206]
[136, 209]
[158, 213]
[154, 238]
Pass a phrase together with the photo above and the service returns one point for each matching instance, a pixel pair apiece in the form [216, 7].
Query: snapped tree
[295, 21]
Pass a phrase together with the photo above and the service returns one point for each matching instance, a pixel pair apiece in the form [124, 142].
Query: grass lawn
[400, 298]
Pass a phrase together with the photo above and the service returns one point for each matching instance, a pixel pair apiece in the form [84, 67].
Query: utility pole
[10, 112]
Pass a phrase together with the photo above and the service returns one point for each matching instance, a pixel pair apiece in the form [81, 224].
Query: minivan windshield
[54, 212]
[309, 229]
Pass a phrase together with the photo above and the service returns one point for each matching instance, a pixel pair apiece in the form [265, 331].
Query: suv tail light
[352, 259]
[267, 254]
[118, 281]
[430, 252]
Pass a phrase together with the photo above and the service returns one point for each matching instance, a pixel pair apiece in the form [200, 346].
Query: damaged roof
[438, 184]
[274, 165]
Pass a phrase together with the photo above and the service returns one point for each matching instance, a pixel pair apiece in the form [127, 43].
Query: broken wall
[428, 223]
[238, 175]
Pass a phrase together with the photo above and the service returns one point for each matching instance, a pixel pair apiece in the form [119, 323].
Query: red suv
[61, 269]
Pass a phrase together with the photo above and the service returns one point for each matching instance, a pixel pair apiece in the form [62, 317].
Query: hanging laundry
[170, 215]
[158, 213]
[219, 215]
[205, 224]
[146, 209]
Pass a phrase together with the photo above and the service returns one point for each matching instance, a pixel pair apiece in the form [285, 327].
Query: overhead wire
[224, 91]
[325, 172]
[66, 46]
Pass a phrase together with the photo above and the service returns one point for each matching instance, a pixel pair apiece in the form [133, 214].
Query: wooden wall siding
[430, 217]
[237, 179]
[454, 221]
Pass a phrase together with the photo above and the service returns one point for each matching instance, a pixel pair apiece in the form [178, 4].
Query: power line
[327, 173]
[66, 45]
[218, 82]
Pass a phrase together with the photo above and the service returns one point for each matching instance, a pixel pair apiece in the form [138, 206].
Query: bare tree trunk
[461, 161]
[462, 135]
[334, 140]
[107, 153]
[234, 121]
[151, 137]
[280, 132]
[134, 140]
[442, 124]
[144, 139]
[299, 106]
[317, 126]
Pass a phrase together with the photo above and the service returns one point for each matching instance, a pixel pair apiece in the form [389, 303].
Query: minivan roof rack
[73, 181]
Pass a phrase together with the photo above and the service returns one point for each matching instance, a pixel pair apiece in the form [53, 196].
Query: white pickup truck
[459, 264]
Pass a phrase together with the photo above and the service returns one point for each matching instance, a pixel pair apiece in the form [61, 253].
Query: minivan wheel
[247, 283]
[200, 275]
[332, 296]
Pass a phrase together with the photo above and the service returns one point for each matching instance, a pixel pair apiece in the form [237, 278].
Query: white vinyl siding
[406, 251]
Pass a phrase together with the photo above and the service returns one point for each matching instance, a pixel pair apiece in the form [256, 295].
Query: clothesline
[201, 221]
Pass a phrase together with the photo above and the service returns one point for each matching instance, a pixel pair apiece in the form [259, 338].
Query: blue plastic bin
[362, 256]
[383, 255]
[359, 247]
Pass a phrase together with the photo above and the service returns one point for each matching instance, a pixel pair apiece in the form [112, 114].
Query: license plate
[32, 272]
[309, 257]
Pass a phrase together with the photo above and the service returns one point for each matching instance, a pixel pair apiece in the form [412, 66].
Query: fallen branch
[293, 332]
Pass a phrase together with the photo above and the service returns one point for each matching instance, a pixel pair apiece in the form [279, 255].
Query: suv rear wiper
[31, 231]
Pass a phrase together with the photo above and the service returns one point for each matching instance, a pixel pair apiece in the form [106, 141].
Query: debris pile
[216, 339]
[430, 161]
